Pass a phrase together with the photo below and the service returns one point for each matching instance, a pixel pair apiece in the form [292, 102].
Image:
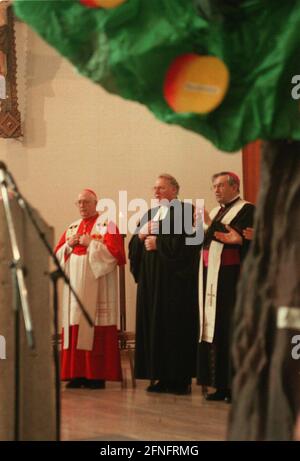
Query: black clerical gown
[167, 316]
[214, 363]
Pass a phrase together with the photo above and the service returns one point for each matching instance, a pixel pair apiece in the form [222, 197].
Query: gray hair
[232, 178]
[171, 180]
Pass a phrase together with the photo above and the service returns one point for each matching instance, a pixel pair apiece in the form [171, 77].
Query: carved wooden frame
[10, 117]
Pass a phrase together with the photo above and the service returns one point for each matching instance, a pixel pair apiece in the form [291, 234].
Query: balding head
[86, 202]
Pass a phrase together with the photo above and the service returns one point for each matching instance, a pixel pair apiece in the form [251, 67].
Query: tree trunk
[266, 386]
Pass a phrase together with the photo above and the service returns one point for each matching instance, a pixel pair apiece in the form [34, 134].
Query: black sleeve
[135, 248]
[180, 251]
[244, 219]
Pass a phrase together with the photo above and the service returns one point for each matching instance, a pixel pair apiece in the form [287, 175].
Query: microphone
[3, 174]
[6, 180]
[3, 166]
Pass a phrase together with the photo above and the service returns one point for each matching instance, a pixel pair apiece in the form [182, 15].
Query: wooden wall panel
[251, 170]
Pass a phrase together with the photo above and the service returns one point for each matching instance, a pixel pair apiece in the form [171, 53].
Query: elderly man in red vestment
[89, 252]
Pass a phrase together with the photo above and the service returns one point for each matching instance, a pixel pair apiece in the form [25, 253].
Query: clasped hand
[150, 243]
[77, 239]
[150, 228]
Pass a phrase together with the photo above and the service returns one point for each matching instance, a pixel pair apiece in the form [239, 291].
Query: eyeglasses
[221, 185]
[83, 202]
[158, 188]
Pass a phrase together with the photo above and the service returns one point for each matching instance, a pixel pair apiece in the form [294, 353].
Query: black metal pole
[55, 277]
[16, 303]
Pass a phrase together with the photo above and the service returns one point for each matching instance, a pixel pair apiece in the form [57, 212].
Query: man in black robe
[165, 265]
[225, 244]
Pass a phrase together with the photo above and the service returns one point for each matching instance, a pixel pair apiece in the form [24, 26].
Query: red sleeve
[61, 242]
[115, 243]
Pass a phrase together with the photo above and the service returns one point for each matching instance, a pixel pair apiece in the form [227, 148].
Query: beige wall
[76, 135]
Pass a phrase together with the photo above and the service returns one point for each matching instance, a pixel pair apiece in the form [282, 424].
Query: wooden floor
[133, 414]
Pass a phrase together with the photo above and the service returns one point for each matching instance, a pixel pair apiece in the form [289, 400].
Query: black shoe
[218, 396]
[228, 397]
[159, 387]
[76, 383]
[95, 384]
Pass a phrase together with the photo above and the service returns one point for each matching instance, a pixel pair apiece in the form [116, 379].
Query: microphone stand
[20, 299]
[54, 276]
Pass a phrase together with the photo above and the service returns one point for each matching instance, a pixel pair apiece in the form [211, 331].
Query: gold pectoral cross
[211, 295]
